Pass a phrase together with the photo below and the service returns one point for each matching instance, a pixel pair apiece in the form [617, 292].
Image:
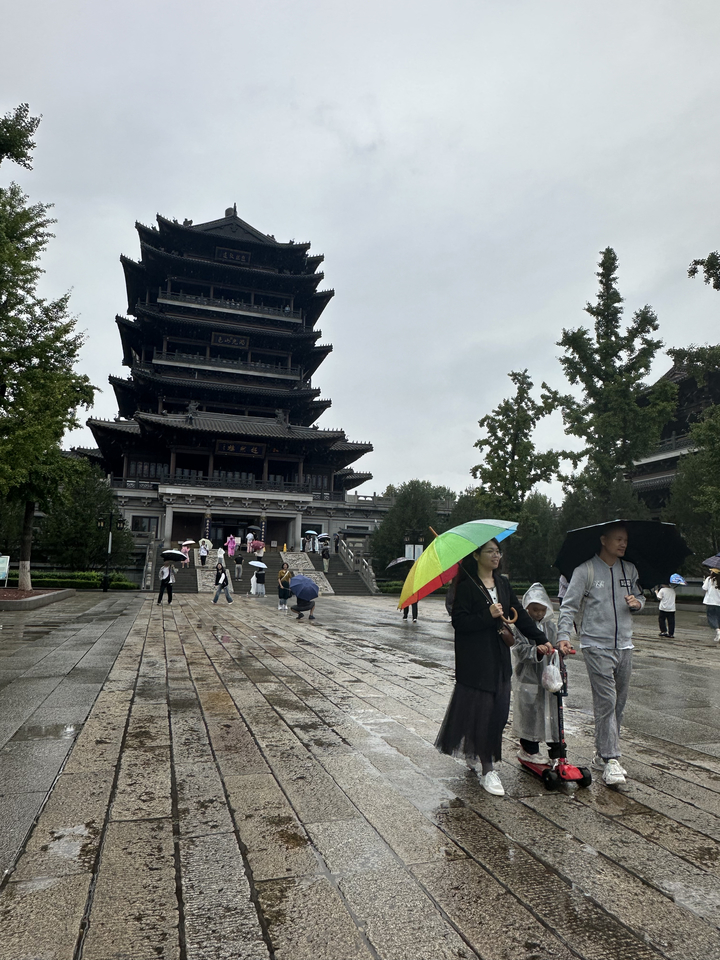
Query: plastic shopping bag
[551, 677]
[253, 585]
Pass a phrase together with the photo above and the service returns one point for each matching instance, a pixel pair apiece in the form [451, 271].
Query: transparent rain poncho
[535, 710]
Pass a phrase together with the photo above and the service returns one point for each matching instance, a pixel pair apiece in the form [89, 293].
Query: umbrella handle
[510, 620]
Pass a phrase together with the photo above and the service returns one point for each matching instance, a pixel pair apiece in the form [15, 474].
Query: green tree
[39, 346]
[617, 416]
[511, 465]
[69, 534]
[710, 267]
[412, 514]
[537, 541]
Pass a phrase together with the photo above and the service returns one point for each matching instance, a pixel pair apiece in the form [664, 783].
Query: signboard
[4, 568]
[232, 256]
[240, 449]
[229, 340]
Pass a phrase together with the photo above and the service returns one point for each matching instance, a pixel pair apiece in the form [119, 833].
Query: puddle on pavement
[50, 731]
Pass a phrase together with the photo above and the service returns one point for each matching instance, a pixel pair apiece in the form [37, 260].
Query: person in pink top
[230, 544]
[186, 551]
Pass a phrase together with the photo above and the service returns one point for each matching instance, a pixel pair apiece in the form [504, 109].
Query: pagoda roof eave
[237, 426]
[217, 270]
[153, 314]
[220, 386]
[214, 228]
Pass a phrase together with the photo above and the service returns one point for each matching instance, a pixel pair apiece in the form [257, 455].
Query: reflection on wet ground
[243, 786]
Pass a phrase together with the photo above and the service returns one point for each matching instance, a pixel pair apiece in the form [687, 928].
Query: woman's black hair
[468, 564]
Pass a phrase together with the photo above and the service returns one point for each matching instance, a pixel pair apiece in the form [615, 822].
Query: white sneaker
[716, 638]
[491, 783]
[531, 757]
[613, 773]
[599, 764]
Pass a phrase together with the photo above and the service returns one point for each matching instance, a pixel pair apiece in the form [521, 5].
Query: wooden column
[172, 464]
[211, 464]
[125, 466]
[265, 469]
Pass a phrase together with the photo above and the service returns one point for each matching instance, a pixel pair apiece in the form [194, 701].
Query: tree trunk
[24, 581]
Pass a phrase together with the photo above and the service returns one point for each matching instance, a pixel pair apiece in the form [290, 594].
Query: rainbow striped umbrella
[439, 563]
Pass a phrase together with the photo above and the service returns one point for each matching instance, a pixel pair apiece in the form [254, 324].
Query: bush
[84, 580]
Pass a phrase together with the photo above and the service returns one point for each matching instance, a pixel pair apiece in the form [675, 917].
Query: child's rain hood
[538, 594]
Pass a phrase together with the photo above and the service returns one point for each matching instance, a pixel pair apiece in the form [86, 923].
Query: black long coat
[482, 660]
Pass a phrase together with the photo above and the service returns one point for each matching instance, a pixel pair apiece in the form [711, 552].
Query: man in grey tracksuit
[601, 598]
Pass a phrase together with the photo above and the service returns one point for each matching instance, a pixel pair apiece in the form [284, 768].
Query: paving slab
[184, 782]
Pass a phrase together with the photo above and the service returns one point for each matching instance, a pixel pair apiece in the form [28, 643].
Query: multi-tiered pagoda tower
[218, 413]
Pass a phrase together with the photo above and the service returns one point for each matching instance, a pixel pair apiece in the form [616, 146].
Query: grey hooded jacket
[606, 617]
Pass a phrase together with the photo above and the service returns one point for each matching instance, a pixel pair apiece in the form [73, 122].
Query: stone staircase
[345, 583]
[185, 577]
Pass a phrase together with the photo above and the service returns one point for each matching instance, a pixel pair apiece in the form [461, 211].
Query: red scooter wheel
[551, 780]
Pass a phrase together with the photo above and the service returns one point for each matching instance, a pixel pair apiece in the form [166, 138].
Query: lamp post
[119, 525]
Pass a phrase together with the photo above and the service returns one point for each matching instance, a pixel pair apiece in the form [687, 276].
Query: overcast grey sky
[460, 165]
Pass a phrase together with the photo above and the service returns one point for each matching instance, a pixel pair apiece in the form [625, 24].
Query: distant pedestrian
[249, 541]
[711, 586]
[337, 542]
[666, 610]
[203, 553]
[284, 577]
[563, 584]
[186, 550]
[221, 583]
[260, 582]
[221, 556]
[167, 579]
[326, 557]
[414, 612]
[230, 544]
[238, 566]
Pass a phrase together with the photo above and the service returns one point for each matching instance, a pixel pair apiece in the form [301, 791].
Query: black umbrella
[399, 561]
[252, 526]
[656, 549]
[174, 555]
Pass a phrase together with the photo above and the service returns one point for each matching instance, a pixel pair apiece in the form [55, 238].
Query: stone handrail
[149, 568]
[358, 564]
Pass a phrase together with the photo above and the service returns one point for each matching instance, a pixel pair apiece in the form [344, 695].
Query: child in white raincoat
[535, 714]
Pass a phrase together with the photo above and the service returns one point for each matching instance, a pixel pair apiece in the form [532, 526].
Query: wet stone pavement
[199, 783]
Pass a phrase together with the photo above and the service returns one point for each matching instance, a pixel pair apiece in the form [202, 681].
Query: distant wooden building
[652, 476]
[216, 428]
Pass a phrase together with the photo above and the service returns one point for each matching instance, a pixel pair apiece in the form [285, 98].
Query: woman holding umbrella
[711, 587]
[480, 704]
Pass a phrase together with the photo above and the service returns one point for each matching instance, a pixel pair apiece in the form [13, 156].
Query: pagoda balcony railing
[252, 367]
[229, 306]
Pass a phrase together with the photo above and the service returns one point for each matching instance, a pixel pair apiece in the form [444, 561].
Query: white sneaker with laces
[599, 764]
[532, 757]
[491, 783]
[613, 773]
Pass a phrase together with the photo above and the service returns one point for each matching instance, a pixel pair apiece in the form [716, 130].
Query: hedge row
[80, 581]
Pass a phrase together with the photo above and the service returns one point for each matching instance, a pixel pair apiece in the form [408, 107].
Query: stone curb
[42, 600]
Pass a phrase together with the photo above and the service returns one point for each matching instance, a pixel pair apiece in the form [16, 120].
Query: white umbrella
[256, 563]
[187, 543]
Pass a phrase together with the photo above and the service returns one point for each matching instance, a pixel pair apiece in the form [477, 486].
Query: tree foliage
[69, 534]
[40, 392]
[617, 416]
[710, 266]
[412, 514]
[511, 466]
